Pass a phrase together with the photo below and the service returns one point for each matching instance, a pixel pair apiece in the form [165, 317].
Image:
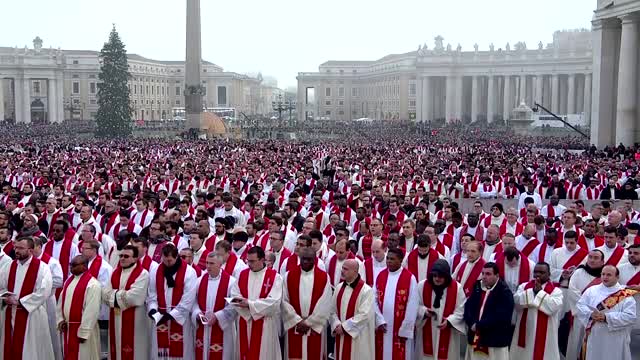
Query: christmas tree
[113, 119]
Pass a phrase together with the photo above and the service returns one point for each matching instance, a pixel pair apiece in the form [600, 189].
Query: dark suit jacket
[495, 325]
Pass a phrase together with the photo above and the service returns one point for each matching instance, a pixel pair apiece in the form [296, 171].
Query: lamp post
[279, 106]
[69, 105]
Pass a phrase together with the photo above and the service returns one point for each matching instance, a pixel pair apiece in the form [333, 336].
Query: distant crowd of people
[350, 248]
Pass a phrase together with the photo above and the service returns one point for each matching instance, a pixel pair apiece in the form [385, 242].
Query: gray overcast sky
[284, 37]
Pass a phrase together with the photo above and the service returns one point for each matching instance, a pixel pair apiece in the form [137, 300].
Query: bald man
[353, 316]
[376, 263]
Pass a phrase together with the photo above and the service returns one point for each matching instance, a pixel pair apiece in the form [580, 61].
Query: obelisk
[193, 86]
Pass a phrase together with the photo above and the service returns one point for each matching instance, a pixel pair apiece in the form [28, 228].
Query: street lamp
[279, 107]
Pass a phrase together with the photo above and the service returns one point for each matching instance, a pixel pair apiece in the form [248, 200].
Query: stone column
[606, 34]
[450, 99]
[193, 66]
[626, 128]
[1, 99]
[491, 101]
[523, 90]
[52, 102]
[474, 99]
[587, 98]
[539, 84]
[459, 87]
[555, 93]
[26, 100]
[571, 94]
[506, 113]
[419, 115]
[60, 96]
[427, 107]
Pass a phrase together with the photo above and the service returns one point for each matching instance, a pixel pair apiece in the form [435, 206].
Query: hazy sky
[284, 37]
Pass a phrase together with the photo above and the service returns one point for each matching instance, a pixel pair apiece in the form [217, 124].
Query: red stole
[7, 248]
[216, 343]
[65, 254]
[401, 297]
[576, 258]
[170, 336]
[332, 267]
[529, 247]
[445, 335]
[594, 282]
[146, 263]
[473, 275]
[447, 240]
[71, 343]
[368, 271]
[202, 262]
[542, 253]
[143, 217]
[524, 271]
[314, 340]
[440, 248]
[106, 225]
[250, 344]
[412, 262]
[635, 280]
[284, 254]
[128, 321]
[230, 265]
[14, 340]
[345, 354]
[616, 256]
[541, 325]
[367, 241]
[94, 269]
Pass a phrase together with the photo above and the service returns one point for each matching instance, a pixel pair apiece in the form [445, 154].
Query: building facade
[616, 73]
[49, 85]
[445, 83]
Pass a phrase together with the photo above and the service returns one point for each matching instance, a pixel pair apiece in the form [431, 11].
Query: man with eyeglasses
[125, 295]
[50, 214]
[257, 297]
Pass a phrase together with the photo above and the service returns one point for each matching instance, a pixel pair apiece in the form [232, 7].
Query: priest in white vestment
[442, 310]
[230, 262]
[613, 254]
[583, 277]
[128, 313]
[608, 312]
[77, 313]
[28, 272]
[376, 263]
[306, 307]
[397, 308]
[353, 316]
[173, 277]
[217, 312]
[630, 276]
[541, 301]
[257, 295]
[57, 282]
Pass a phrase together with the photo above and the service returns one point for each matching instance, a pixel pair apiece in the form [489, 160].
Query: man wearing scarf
[440, 315]
[608, 312]
[172, 292]
[487, 314]
[584, 277]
